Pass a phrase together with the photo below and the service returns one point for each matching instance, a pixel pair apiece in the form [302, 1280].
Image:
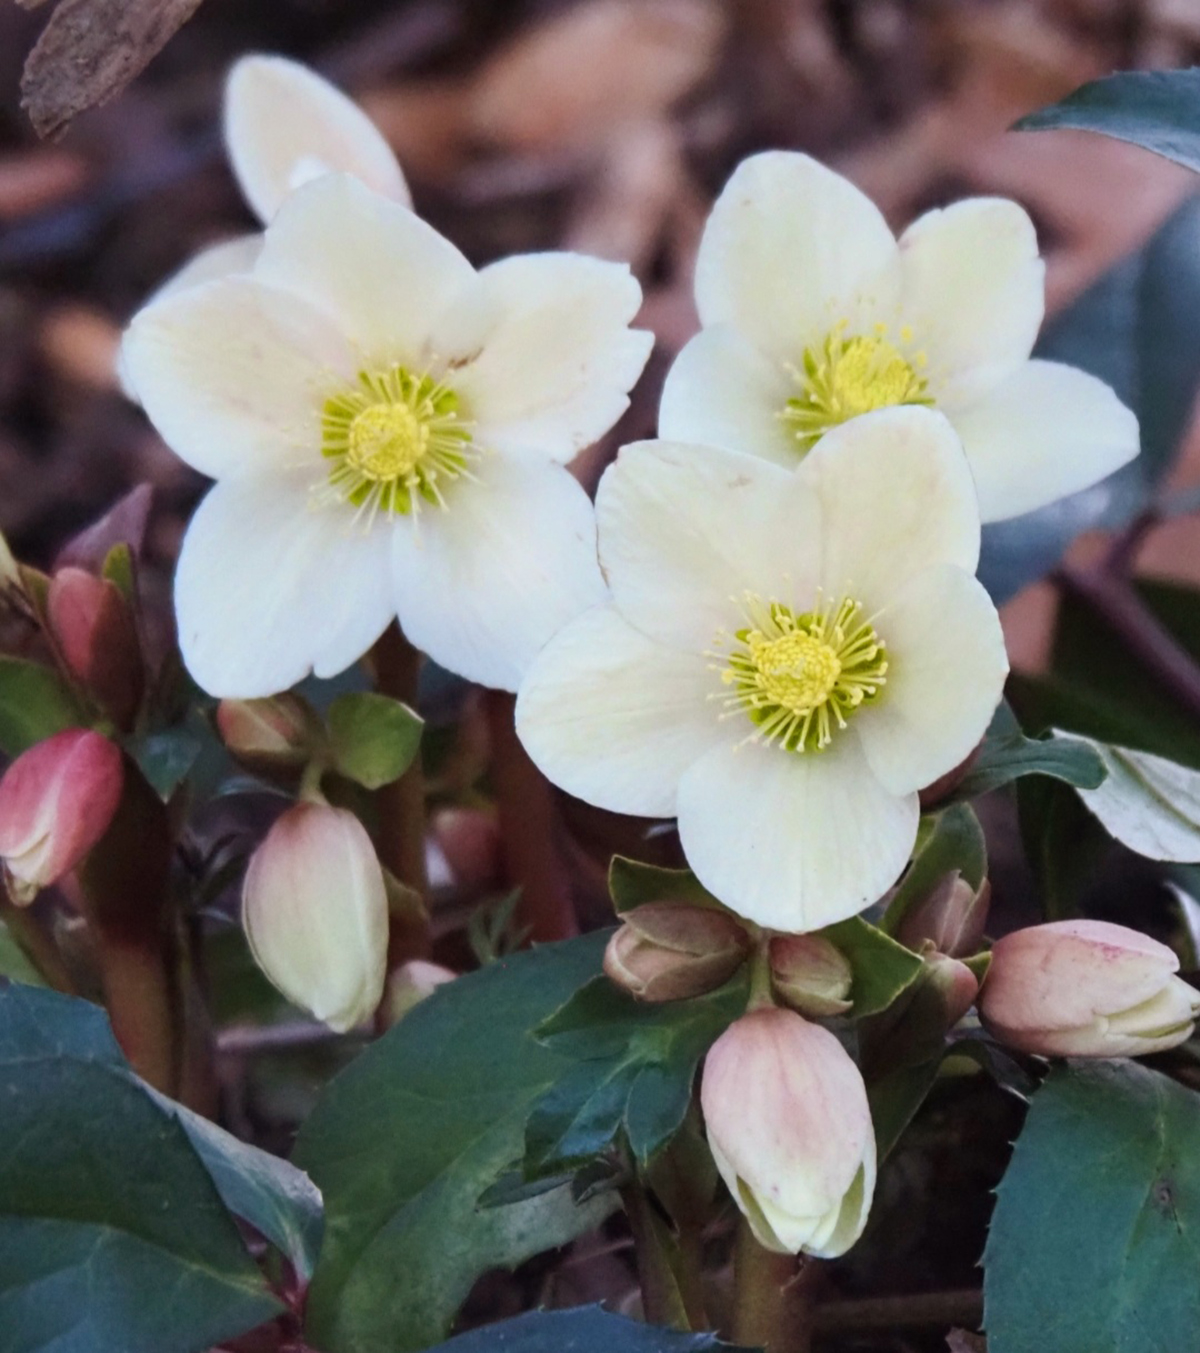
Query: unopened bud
[56, 802]
[1086, 989]
[93, 625]
[953, 983]
[409, 985]
[951, 918]
[669, 951]
[316, 913]
[279, 733]
[811, 974]
[790, 1130]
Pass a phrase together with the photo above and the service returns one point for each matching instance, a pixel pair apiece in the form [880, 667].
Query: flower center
[393, 439]
[844, 377]
[798, 677]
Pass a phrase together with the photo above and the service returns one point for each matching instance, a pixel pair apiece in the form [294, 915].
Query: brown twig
[964, 1307]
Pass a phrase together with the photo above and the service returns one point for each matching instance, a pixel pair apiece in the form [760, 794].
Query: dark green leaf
[1095, 1240]
[951, 840]
[14, 962]
[882, 967]
[1158, 110]
[633, 1078]
[104, 1206]
[631, 884]
[406, 1140]
[1010, 756]
[35, 703]
[586, 1329]
[895, 1099]
[1064, 844]
[373, 738]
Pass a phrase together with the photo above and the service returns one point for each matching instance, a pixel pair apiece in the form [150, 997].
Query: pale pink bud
[279, 732]
[316, 914]
[951, 918]
[790, 1130]
[56, 801]
[411, 983]
[811, 974]
[954, 983]
[93, 626]
[1086, 989]
[669, 951]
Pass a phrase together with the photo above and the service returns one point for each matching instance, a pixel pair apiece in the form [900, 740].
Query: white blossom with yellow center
[784, 660]
[389, 430]
[815, 314]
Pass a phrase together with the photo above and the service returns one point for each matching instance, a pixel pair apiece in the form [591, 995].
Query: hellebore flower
[1086, 989]
[813, 313]
[56, 802]
[785, 660]
[790, 1130]
[315, 912]
[387, 427]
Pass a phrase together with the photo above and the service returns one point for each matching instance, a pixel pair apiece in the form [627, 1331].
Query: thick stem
[528, 827]
[142, 1003]
[771, 1308]
[667, 1273]
[402, 803]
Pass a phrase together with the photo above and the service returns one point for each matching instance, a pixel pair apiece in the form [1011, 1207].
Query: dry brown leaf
[597, 66]
[90, 50]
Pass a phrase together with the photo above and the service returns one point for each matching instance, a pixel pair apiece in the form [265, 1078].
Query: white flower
[284, 127]
[813, 313]
[388, 428]
[786, 659]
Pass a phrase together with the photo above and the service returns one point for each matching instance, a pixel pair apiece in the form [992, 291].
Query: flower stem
[668, 1273]
[142, 1002]
[401, 804]
[528, 826]
[771, 1308]
[37, 946]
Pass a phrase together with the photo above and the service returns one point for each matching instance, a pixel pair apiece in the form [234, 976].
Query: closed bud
[411, 983]
[790, 1130]
[56, 802]
[1086, 989]
[953, 984]
[93, 626]
[810, 974]
[316, 914]
[951, 918]
[669, 951]
[279, 733]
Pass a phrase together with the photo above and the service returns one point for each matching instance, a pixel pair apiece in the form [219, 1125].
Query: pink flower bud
[1086, 989]
[811, 975]
[951, 918]
[953, 983]
[790, 1130]
[278, 733]
[56, 801]
[94, 629]
[315, 911]
[669, 951]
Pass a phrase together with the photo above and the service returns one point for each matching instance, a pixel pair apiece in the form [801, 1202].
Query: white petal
[285, 125]
[946, 670]
[896, 497]
[542, 352]
[483, 585]
[1046, 431]
[615, 718]
[973, 293]
[794, 841]
[790, 250]
[721, 391]
[854, 1210]
[230, 258]
[379, 272]
[233, 373]
[269, 589]
[686, 530]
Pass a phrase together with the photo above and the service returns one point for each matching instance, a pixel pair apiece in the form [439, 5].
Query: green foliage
[585, 1329]
[1159, 110]
[632, 883]
[882, 968]
[408, 1138]
[951, 840]
[1063, 842]
[105, 1205]
[373, 737]
[1009, 755]
[35, 703]
[1094, 1240]
[635, 1064]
